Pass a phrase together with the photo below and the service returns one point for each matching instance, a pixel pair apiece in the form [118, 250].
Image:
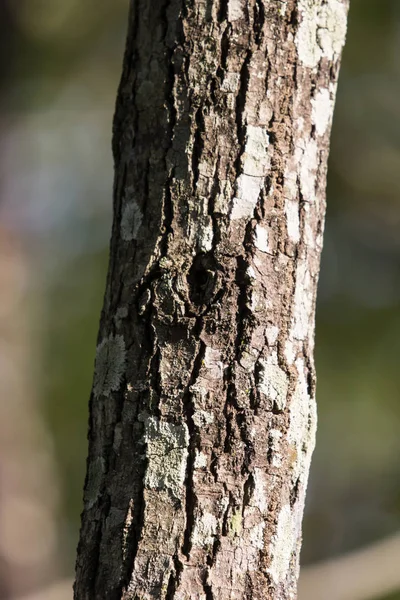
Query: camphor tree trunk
[202, 414]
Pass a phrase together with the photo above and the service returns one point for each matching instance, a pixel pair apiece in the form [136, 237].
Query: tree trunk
[202, 414]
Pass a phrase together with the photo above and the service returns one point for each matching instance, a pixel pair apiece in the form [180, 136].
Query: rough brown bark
[202, 414]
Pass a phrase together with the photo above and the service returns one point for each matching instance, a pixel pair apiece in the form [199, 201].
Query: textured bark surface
[202, 414]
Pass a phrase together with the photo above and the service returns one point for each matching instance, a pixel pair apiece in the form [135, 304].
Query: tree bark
[202, 413]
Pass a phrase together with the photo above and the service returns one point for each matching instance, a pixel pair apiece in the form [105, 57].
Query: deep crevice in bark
[259, 18]
[198, 145]
[191, 500]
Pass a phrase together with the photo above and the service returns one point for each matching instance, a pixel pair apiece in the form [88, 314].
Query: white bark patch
[202, 417]
[235, 10]
[248, 191]
[332, 28]
[322, 109]
[200, 460]
[230, 82]
[290, 183]
[282, 9]
[309, 234]
[257, 536]
[283, 544]
[255, 158]
[166, 453]
[292, 220]
[274, 384]
[131, 221]
[308, 170]
[205, 530]
[254, 306]
[236, 524]
[303, 424]
[247, 360]
[109, 366]
[261, 239]
[271, 333]
[303, 302]
[322, 30]
[259, 498]
[205, 237]
[306, 38]
[213, 363]
[255, 166]
[289, 352]
[274, 441]
[251, 272]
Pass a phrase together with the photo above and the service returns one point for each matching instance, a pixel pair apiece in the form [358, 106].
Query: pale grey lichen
[121, 313]
[332, 28]
[109, 366]
[261, 239]
[322, 30]
[273, 383]
[230, 82]
[302, 427]
[205, 529]
[322, 109]
[131, 221]
[308, 170]
[303, 303]
[259, 498]
[200, 460]
[166, 453]
[95, 477]
[213, 363]
[204, 235]
[255, 167]
[256, 535]
[235, 524]
[292, 220]
[271, 334]
[202, 418]
[274, 442]
[283, 544]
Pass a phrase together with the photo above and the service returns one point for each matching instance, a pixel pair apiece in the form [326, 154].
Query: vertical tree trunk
[202, 414]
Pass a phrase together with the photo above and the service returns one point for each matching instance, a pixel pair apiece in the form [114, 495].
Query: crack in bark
[215, 189]
[207, 587]
[223, 10]
[191, 500]
[241, 103]
[198, 145]
[258, 24]
[225, 45]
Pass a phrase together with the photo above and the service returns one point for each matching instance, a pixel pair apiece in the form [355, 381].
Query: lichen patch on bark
[110, 365]
[166, 454]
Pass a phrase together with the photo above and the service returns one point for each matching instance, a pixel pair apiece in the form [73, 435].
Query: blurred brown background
[59, 70]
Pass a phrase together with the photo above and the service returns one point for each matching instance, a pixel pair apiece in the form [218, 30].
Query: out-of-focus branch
[366, 574]
[28, 486]
[61, 590]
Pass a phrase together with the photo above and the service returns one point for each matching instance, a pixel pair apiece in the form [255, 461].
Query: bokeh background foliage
[59, 70]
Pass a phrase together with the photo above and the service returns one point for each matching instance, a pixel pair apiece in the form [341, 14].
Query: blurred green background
[59, 71]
